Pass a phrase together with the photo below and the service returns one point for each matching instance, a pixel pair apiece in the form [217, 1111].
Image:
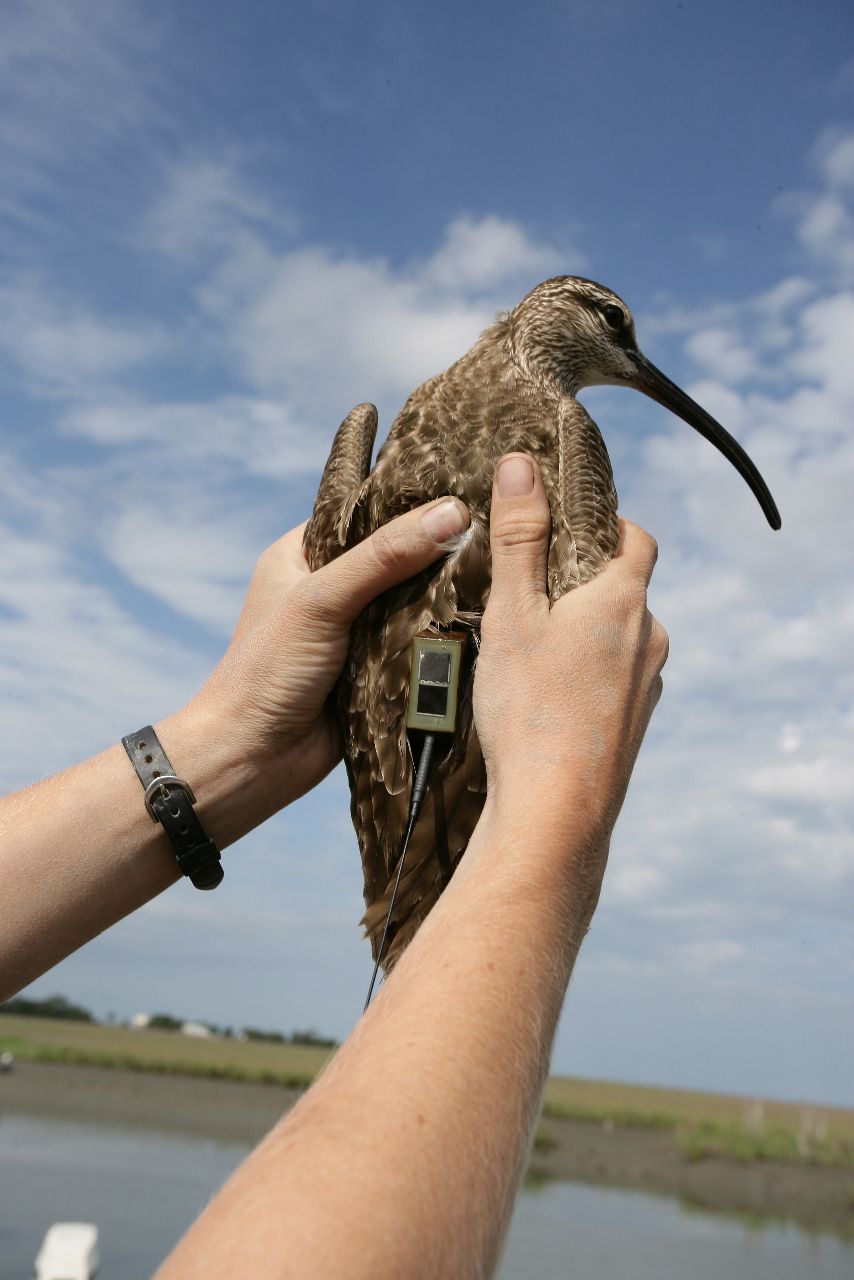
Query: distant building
[197, 1029]
[139, 1021]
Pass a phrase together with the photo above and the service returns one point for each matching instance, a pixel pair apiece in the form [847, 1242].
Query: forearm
[79, 851]
[405, 1157]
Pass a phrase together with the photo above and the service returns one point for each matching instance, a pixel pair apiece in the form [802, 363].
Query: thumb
[394, 553]
[520, 525]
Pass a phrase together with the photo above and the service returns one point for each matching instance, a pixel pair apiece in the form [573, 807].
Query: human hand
[291, 640]
[563, 694]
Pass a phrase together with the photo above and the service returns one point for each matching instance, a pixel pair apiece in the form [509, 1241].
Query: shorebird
[514, 390]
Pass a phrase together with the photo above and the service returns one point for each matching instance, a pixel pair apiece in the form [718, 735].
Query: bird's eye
[614, 316]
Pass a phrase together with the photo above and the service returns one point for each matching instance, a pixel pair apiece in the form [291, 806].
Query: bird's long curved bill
[658, 387]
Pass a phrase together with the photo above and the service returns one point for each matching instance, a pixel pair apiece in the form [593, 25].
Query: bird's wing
[584, 505]
[327, 533]
[373, 688]
[374, 691]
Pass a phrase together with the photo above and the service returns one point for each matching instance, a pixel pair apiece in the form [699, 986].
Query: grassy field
[711, 1124]
[85, 1044]
[656, 1108]
[703, 1124]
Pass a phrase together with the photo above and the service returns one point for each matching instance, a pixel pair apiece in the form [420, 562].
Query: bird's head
[571, 333]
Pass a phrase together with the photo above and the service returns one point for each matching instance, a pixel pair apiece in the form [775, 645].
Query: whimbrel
[514, 390]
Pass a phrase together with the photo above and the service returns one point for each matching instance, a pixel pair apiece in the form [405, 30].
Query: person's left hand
[291, 639]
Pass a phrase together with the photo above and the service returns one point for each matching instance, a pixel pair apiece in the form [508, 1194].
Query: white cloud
[203, 204]
[62, 346]
[811, 781]
[480, 253]
[725, 352]
[702, 957]
[328, 330]
[834, 154]
[755, 733]
[323, 324]
[738, 823]
[74, 665]
[824, 219]
[324, 328]
[826, 229]
[251, 436]
[206, 579]
[827, 338]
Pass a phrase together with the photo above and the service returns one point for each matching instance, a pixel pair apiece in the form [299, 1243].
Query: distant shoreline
[816, 1197]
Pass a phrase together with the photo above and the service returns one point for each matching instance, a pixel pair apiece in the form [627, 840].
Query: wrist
[237, 783]
[556, 842]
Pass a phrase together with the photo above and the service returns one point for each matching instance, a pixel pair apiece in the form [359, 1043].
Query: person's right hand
[563, 694]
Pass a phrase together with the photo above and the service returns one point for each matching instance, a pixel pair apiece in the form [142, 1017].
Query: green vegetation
[626, 1105]
[60, 1007]
[52, 1007]
[311, 1037]
[161, 1051]
[805, 1137]
[314, 1038]
[613, 1117]
[746, 1146]
[544, 1141]
[164, 1022]
[701, 1125]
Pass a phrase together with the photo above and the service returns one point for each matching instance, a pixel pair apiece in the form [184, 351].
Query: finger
[637, 552]
[401, 548]
[520, 525]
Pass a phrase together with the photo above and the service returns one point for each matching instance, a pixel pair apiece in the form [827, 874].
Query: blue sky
[221, 227]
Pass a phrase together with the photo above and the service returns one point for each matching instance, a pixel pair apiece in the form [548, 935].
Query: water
[143, 1187]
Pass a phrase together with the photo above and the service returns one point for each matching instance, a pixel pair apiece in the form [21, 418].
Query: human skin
[78, 851]
[404, 1158]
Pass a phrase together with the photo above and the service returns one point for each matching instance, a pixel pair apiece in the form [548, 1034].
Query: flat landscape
[62, 1040]
[769, 1159]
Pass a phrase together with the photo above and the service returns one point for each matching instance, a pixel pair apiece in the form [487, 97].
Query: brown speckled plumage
[514, 390]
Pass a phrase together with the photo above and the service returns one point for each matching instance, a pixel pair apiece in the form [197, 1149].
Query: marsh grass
[612, 1117]
[702, 1126]
[543, 1142]
[704, 1139]
[164, 1052]
[738, 1143]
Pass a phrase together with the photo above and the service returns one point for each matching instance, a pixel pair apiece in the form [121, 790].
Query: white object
[6, 1060]
[69, 1252]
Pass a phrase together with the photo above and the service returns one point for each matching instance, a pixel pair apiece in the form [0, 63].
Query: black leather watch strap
[170, 802]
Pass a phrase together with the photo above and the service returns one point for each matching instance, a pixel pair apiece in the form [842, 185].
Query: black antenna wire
[419, 791]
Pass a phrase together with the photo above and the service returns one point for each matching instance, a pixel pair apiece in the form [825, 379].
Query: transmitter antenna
[419, 790]
[434, 687]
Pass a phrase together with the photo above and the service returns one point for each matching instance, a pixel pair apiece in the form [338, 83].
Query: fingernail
[515, 477]
[445, 521]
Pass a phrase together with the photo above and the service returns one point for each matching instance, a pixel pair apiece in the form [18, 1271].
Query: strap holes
[183, 829]
[176, 813]
[148, 759]
[141, 747]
